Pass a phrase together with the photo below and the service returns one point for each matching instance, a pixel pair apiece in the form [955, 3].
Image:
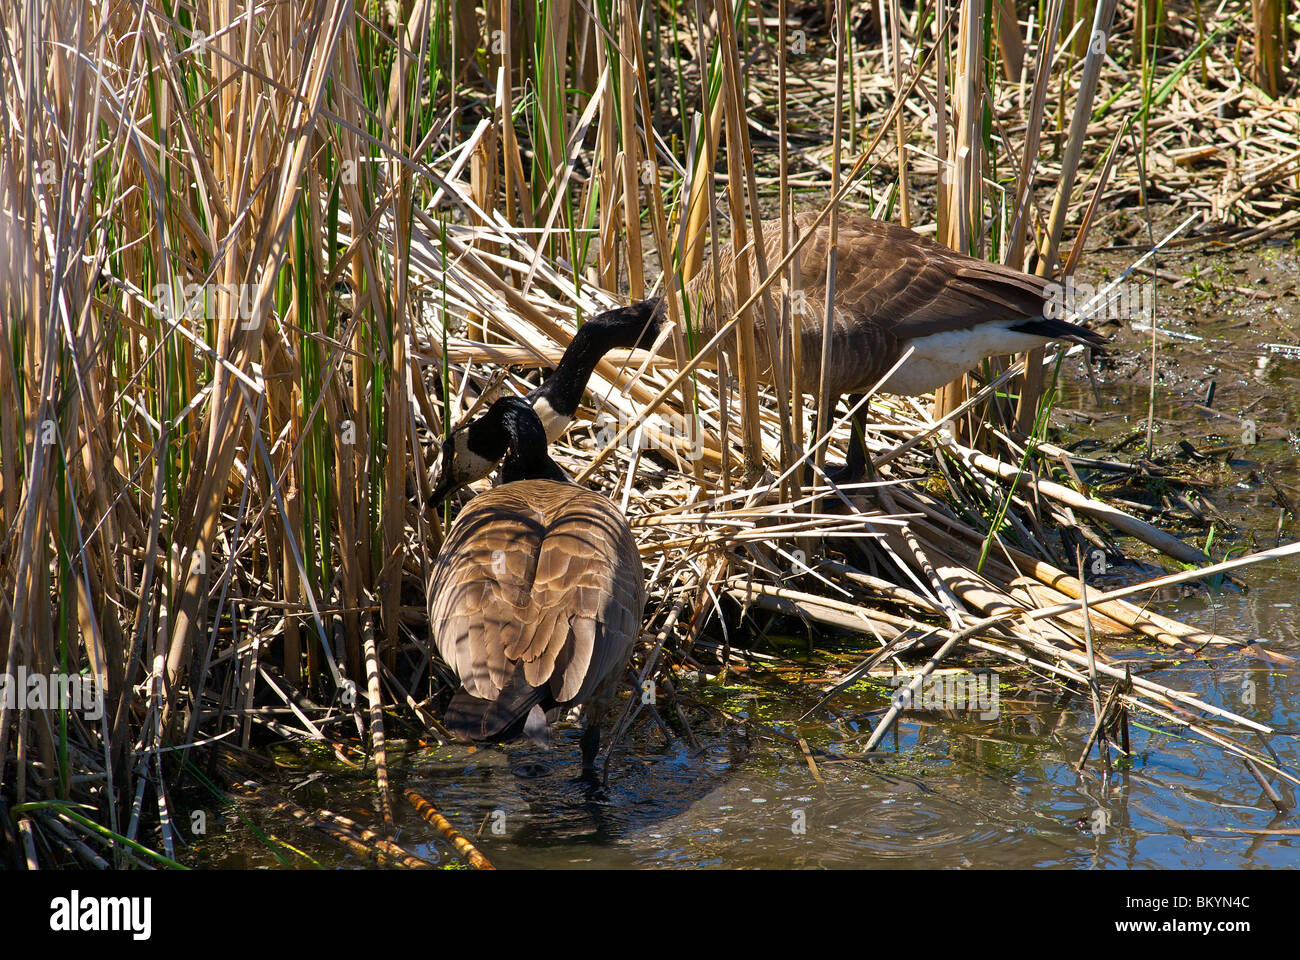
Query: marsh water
[954, 791]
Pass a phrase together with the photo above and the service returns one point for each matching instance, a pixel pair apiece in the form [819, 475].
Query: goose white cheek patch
[553, 422]
[466, 466]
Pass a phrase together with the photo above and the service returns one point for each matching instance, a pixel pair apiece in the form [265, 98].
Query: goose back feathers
[536, 597]
[536, 600]
[894, 289]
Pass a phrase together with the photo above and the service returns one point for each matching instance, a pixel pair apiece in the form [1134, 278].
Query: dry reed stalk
[464, 849]
[378, 748]
[942, 190]
[790, 352]
[631, 155]
[483, 188]
[700, 201]
[1010, 43]
[1270, 55]
[659, 225]
[780, 375]
[1031, 391]
[965, 166]
[895, 39]
[825, 402]
[607, 188]
[1035, 116]
[517, 207]
[344, 831]
[746, 363]
[273, 449]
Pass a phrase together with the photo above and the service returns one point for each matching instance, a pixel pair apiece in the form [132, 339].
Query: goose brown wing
[914, 287]
[542, 574]
[892, 285]
[480, 588]
[589, 592]
[889, 276]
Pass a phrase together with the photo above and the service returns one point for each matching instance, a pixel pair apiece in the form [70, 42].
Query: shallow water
[955, 792]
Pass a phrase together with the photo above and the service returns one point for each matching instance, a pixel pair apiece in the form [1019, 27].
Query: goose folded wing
[588, 596]
[481, 591]
[555, 584]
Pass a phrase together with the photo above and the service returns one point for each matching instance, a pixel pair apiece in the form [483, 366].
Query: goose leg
[590, 747]
[855, 469]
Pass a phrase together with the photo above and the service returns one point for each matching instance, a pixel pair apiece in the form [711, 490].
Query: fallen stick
[835, 613]
[341, 830]
[1153, 536]
[464, 849]
[1153, 625]
[1275, 553]
[980, 626]
[377, 740]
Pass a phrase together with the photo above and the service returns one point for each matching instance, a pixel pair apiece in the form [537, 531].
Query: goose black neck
[563, 389]
[625, 327]
[527, 458]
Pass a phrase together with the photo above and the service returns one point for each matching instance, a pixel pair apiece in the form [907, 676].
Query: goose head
[473, 450]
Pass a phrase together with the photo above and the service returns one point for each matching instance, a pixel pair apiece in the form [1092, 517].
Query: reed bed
[258, 259]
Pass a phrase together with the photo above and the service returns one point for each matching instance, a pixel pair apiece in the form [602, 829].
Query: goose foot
[841, 474]
[838, 474]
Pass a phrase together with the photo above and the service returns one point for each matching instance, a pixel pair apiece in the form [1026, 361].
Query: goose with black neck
[473, 451]
[537, 596]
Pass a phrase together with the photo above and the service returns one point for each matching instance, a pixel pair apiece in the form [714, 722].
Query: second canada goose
[474, 450]
[894, 289]
[537, 596]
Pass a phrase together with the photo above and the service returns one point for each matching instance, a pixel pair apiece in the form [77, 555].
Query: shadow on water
[530, 807]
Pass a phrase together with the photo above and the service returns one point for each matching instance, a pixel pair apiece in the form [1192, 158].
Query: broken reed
[1271, 46]
[234, 249]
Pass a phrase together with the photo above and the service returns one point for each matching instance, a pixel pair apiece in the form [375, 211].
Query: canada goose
[894, 289]
[473, 451]
[537, 596]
